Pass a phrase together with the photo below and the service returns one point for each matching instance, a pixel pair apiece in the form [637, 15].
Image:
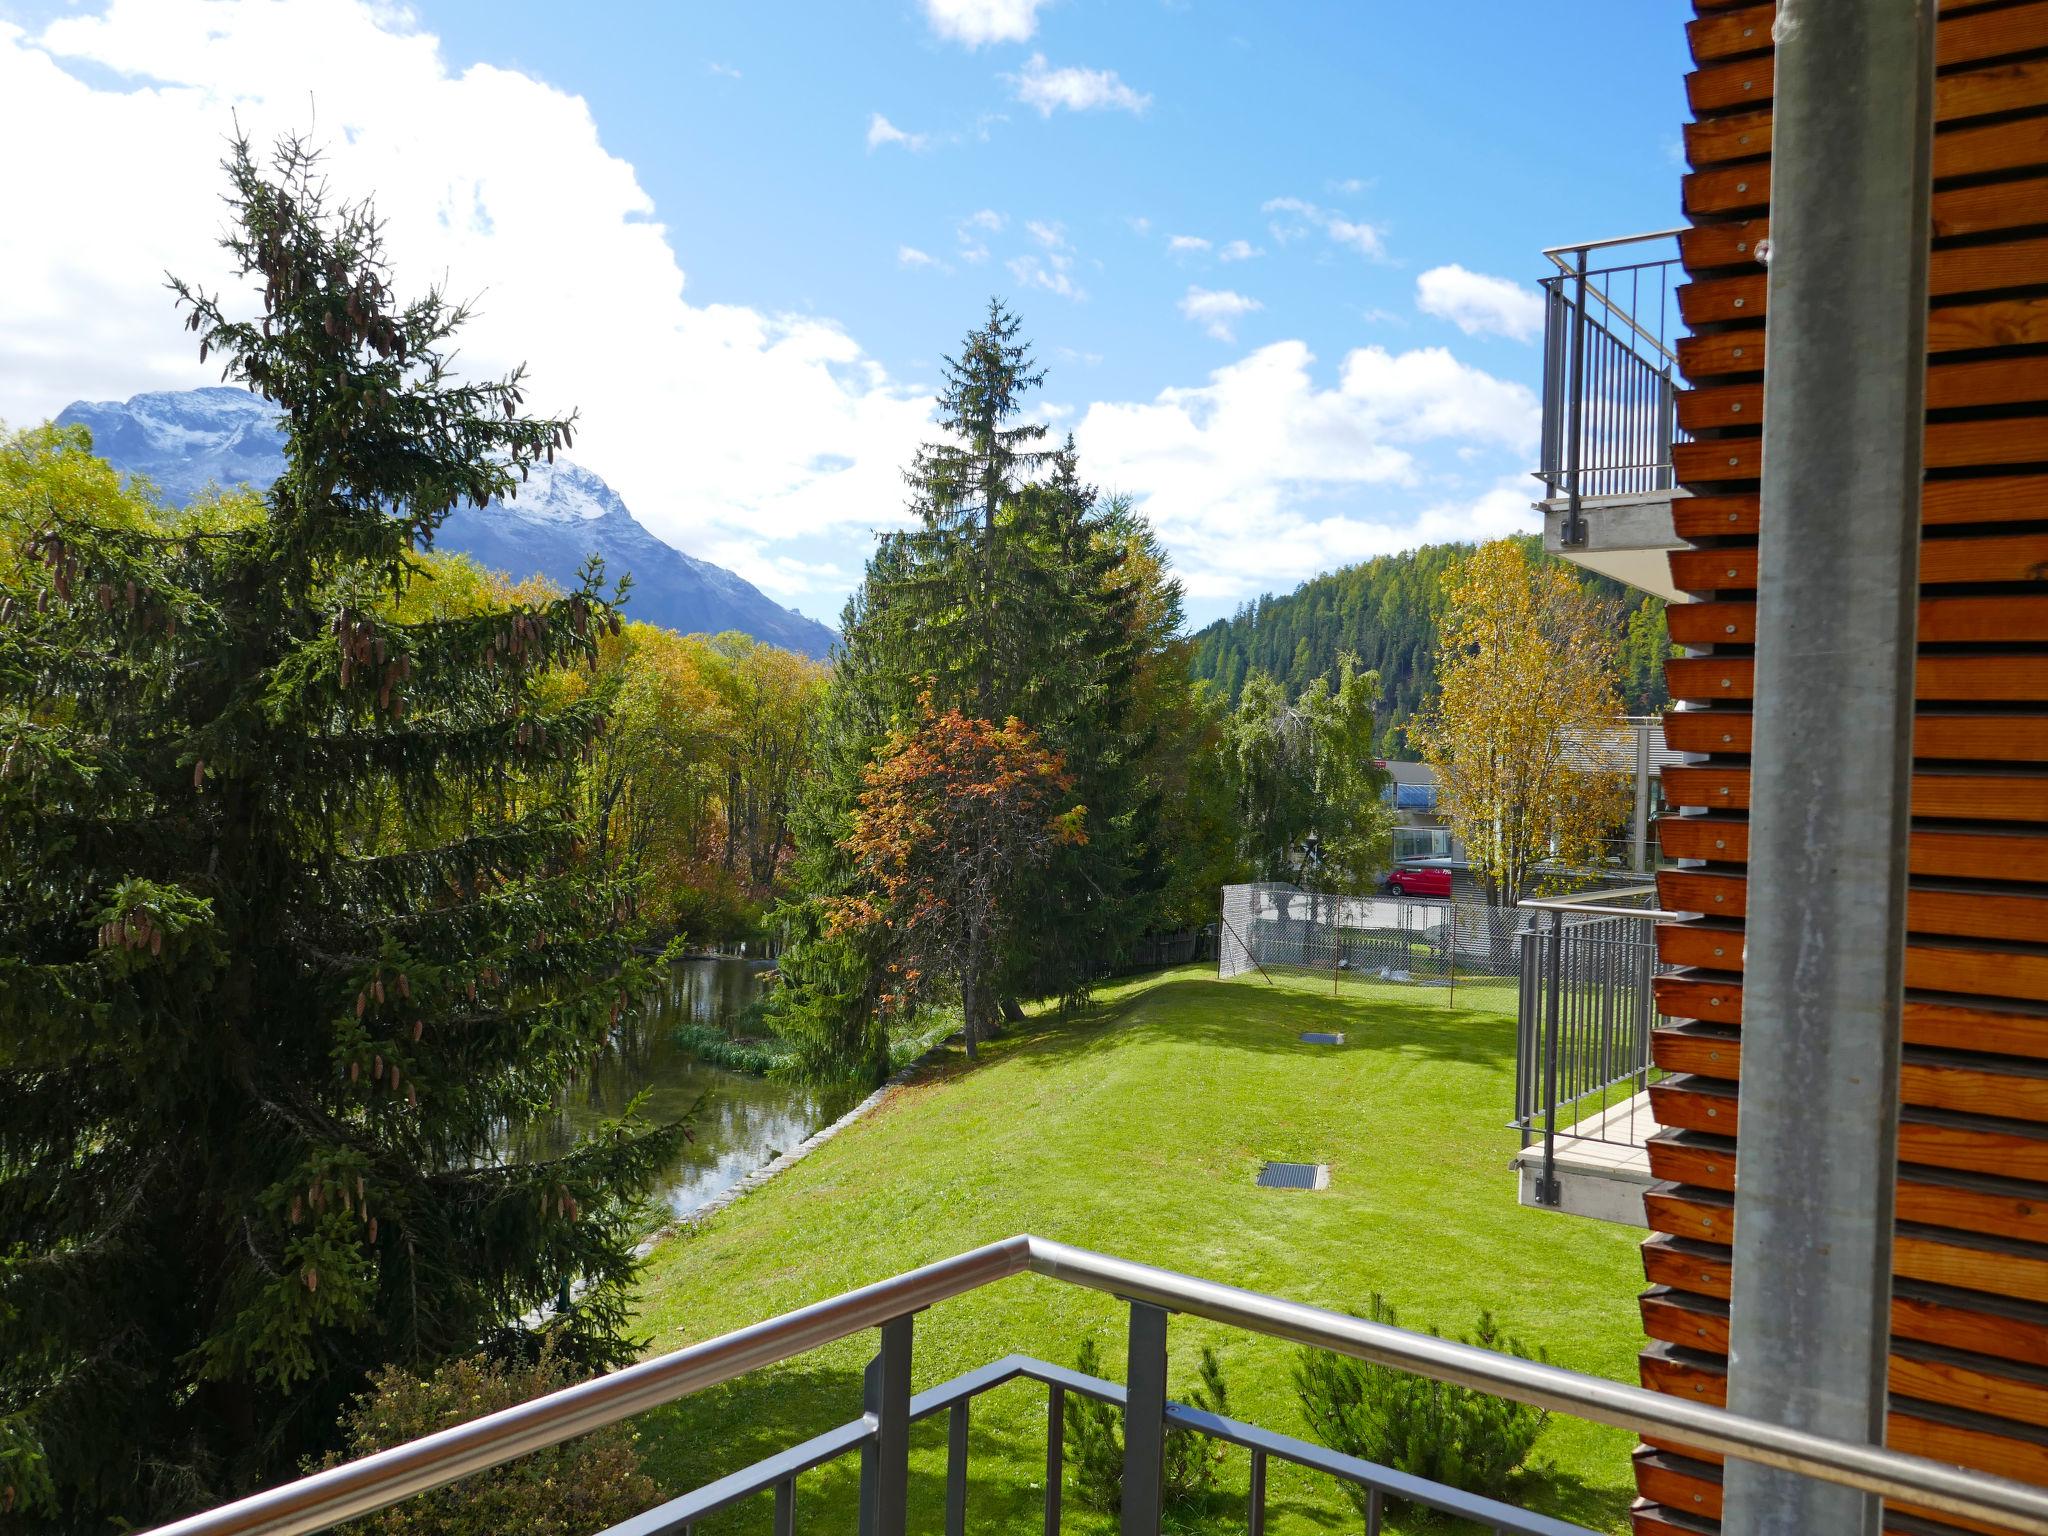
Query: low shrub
[1094, 1437]
[583, 1486]
[1432, 1429]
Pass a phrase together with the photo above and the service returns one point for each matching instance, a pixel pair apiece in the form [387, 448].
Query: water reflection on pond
[740, 1122]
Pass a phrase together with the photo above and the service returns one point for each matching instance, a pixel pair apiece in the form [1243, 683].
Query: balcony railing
[881, 1432]
[1586, 1009]
[1610, 329]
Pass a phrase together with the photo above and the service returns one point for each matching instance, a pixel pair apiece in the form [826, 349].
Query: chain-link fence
[1458, 947]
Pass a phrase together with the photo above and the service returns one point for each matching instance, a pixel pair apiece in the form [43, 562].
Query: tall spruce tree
[297, 912]
[1021, 592]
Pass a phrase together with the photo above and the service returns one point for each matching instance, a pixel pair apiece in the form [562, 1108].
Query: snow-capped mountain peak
[560, 514]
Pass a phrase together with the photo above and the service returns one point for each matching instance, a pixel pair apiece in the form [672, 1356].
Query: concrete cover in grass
[1137, 1127]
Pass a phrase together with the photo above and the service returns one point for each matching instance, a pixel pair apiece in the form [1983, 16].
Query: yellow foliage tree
[1525, 692]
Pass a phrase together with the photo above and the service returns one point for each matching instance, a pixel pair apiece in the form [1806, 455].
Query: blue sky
[740, 236]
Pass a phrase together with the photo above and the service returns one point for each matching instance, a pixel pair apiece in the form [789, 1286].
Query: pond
[740, 1123]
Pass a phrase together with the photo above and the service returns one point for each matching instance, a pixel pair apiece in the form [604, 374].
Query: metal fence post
[956, 1470]
[885, 1460]
[1055, 1454]
[1145, 1421]
[1575, 522]
[1255, 1506]
[1547, 1192]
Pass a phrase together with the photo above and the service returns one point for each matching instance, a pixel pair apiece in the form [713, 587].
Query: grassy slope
[1136, 1129]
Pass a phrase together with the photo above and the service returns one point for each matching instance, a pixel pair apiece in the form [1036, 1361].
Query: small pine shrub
[1094, 1435]
[1432, 1429]
[583, 1486]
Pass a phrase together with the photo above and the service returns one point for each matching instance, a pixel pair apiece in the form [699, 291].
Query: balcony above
[1610, 334]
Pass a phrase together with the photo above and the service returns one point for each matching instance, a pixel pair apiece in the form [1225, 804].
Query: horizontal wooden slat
[2012, 322]
[1720, 731]
[1995, 323]
[1949, 796]
[1942, 621]
[1725, 193]
[1939, 678]
[1997, 442]
[2017, 87]
[2005, 1455]
[1975, 737]
[1702, 1216]
[1688, 1266]
[2005, 1331]
[1715, 460]
[1945, 911]
[1972, 382]
[1967, 558]
[1940, 1026]
[1931, 966]
[1944, 502]
[1958, 39]
[1992, 1265]
[1964, 855]
[1984, 499]
[1950, 270]
[1976, 1385]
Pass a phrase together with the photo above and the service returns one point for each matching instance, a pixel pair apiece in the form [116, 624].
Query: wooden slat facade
[1969, 1365]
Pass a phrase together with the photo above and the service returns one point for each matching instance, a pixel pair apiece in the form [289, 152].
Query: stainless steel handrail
[326, 1498]
[1555, 251]
[1596, 905]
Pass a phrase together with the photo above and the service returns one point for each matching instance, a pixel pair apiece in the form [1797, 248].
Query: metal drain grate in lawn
[1320, 1037]
[1294, 1176]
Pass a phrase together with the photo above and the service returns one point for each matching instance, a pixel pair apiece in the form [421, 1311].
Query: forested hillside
[1385, 610]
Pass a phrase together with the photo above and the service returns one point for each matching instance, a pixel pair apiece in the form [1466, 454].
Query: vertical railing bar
[1375, 1511]
[1055, 1454]
[956, 1470]
[1255, 1511]
[785, 1507]
[1548, 1194]
[885, 1459]
[1145, 1421]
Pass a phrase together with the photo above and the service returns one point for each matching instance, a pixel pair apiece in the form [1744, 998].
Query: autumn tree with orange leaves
[952, 817]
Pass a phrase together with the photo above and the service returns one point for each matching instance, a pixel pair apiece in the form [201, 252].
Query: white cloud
[1239, 250]
[1216, 310]
[1053, 273]
[1261, 477]
[1303, 217]
[881, 131]
[975, 22]
[1185, 244]
[1350, 186]
[727, 71]
[1052, 236]
[910, 256]
[1140, 225]
[1078, 90]
[1480, 305]
[795, 436]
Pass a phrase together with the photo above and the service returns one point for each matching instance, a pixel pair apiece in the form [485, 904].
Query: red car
[1420, 880]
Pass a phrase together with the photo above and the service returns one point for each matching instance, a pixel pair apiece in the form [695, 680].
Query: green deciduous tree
[298, 909]
[1305, 770]
[1525, 677]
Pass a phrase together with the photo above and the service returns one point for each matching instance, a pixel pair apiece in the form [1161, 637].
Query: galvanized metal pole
[1145, 1422]
[1547, 1192]
[885, 1460]
[1838, 571]
[1641, 860]
[1574, 532]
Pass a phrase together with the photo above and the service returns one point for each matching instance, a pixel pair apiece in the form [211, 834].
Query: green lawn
[1135, 1128]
